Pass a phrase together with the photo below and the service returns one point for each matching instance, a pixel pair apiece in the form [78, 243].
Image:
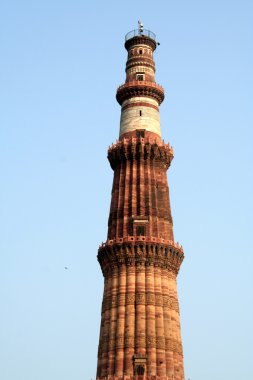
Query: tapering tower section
[140, 325]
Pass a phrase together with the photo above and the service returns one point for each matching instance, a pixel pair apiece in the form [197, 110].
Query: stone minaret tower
[140, 327]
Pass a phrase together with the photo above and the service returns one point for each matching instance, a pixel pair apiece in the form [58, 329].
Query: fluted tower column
[140, 325]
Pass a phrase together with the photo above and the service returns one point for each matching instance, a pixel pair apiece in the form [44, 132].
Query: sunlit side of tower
[140, 325]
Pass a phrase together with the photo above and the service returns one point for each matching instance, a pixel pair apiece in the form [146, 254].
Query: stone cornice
[135, 148]
[140, 251]
[140, 40]
[140, 88]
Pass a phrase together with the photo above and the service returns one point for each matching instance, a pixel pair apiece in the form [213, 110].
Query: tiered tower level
[140, 325]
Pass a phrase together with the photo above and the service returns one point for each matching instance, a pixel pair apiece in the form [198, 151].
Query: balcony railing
[137, 32]
[140, 83]
[148, 239]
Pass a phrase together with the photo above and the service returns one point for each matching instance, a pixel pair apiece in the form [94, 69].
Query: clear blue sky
[61, 62]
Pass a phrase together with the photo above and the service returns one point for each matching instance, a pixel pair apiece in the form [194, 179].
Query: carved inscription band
[150, 342]
[140, 299]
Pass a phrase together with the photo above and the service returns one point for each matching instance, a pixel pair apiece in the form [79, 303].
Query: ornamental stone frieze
[140, 88]
[149, 342]
[140, 253]
[137, 148]
[141, 299]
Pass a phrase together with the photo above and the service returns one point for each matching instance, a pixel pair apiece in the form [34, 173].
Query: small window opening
[140, 51]
[140, 231]
[139, 77]
[140, 370]
[140, 113]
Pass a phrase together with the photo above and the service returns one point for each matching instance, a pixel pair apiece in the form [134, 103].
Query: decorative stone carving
[112, 255]
[134, 148]
[130, 298]
[140, 298]
[151, 341]
[174, 345]
[160, 342]
[150, 298]
[137, 88]
[159, 300]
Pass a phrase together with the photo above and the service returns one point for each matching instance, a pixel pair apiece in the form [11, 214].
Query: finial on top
[140, 27]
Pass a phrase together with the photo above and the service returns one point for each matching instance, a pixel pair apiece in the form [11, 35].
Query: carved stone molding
[113, 255]
[140, 40]
[137, 147]
[140, 88]
[160, 342]
[150, 298]
[140, 299]
[159, 300]
[150, 341]
[171, 303]
[173, 345]
[130, 298]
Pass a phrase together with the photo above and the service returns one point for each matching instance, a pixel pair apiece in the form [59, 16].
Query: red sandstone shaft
[140, 325]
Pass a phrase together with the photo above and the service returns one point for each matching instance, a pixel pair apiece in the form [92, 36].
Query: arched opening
[140, 370]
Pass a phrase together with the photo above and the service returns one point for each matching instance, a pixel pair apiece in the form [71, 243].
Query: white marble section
[140, 117]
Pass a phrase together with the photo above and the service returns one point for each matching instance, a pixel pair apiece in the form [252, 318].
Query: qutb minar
[140, 326]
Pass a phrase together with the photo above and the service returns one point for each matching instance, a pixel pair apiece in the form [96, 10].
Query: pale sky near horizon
[61, 62]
